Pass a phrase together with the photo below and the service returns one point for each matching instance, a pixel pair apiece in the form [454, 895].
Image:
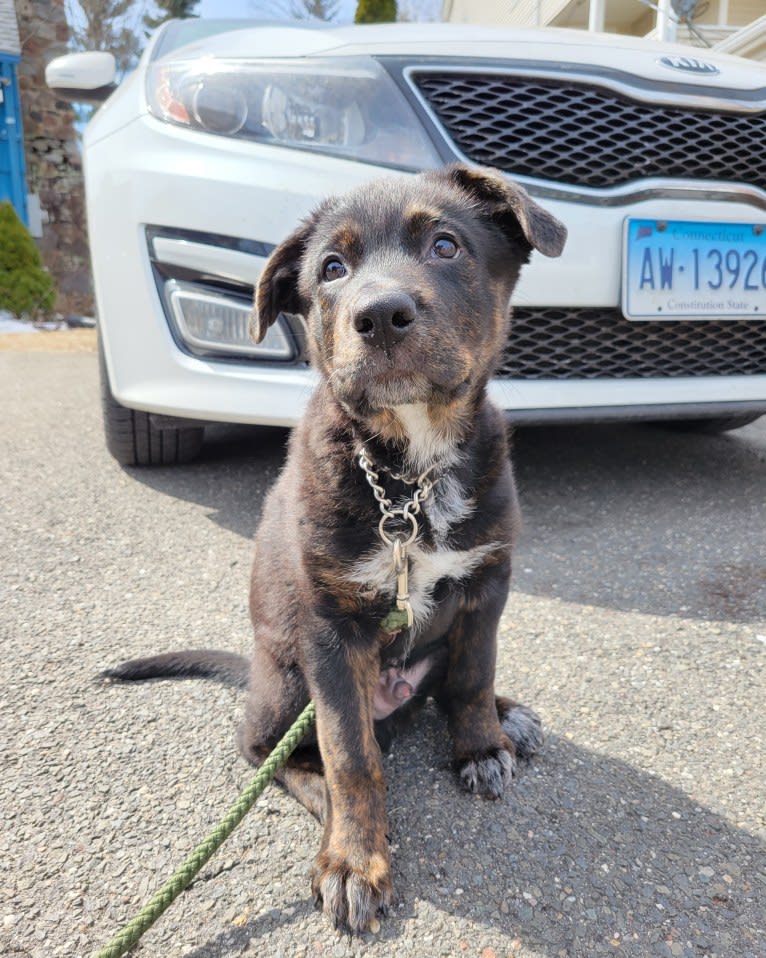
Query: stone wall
[54, 167]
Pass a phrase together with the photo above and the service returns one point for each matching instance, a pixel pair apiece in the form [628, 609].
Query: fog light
[211, 322]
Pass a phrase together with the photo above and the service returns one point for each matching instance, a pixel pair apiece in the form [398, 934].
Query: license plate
[674, 269]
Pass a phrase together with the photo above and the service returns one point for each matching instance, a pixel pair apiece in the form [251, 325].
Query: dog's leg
[277, 694]
[485, 752]
[301, 775]
[352, 872]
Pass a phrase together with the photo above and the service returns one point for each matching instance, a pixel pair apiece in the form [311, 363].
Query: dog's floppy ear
[277, 290]
[510, 207]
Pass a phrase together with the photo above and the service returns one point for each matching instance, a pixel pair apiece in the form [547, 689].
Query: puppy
[383, 554]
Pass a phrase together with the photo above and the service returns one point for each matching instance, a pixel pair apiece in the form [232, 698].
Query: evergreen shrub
[26, 288]
[375, 11]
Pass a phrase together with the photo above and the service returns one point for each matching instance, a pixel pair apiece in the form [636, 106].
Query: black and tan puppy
[404, 286]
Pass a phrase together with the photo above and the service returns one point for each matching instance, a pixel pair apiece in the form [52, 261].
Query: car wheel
[132, 438]
[713, 425]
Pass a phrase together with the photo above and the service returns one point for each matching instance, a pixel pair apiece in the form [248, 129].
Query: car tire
[713, 425]
[133, 440]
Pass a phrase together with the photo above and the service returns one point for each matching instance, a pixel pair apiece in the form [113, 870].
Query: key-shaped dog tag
[402, 582]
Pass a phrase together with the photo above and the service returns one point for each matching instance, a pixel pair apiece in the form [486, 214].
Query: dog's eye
[445, 248]
[333, 269]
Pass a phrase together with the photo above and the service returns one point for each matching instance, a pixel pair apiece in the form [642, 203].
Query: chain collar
[406, 513]
[401, 616]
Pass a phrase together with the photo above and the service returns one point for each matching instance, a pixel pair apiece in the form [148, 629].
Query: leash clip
[401, 568]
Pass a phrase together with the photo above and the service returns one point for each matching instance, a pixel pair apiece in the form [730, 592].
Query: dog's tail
[225, 667]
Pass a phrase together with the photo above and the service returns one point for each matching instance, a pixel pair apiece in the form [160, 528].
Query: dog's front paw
[523, 727]
[351, 897]
[489, 774]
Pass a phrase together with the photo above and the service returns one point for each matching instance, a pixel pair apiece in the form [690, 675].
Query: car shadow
[587, 855]
[629, 517]
[231, 477]
[643, 518]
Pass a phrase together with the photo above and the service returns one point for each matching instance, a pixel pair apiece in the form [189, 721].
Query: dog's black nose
[385, 318]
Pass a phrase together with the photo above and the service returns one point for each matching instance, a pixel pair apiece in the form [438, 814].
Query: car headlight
[210, 324]
[347, 107]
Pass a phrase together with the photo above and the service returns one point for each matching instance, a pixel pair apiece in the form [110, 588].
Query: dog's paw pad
[524, 728]
[489, 775]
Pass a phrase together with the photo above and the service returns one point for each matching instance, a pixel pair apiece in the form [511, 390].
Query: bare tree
[325, 10]
[314, 9]
[107, 25]
[170, 10]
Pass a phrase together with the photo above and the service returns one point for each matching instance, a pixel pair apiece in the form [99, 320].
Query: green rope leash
[128, 936]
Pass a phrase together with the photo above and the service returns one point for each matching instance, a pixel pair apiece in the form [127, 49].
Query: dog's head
[405, 284]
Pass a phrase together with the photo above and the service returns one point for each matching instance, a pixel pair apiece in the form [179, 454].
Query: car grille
[587, 136]
[553, 343]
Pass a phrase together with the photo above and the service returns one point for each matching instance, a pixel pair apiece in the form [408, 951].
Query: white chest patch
[448, 506]
[445, 508]
[425, 446]
[376, 572]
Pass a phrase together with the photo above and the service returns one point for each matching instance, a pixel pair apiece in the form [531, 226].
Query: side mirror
[82, 76]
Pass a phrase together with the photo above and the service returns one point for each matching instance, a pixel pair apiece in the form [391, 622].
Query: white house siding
[9, 29]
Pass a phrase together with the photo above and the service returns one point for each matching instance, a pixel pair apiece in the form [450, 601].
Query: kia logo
[690, 65]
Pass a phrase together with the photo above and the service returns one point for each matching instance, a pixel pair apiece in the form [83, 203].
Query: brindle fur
[317, 631]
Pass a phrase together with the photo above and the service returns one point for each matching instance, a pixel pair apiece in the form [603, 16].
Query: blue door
[12, 185]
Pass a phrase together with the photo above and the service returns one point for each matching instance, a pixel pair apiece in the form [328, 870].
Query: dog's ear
[510, 207]
[277, 290]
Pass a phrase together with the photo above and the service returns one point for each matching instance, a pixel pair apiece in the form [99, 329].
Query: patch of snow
[9, 324]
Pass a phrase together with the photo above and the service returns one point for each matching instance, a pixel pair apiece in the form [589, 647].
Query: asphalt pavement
[637, 628]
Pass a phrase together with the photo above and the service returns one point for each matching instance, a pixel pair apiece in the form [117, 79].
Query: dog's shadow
[586, 855]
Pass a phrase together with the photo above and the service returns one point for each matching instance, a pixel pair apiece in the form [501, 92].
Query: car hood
[611, 52]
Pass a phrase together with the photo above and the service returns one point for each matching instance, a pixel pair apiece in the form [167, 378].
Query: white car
[229, 132]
